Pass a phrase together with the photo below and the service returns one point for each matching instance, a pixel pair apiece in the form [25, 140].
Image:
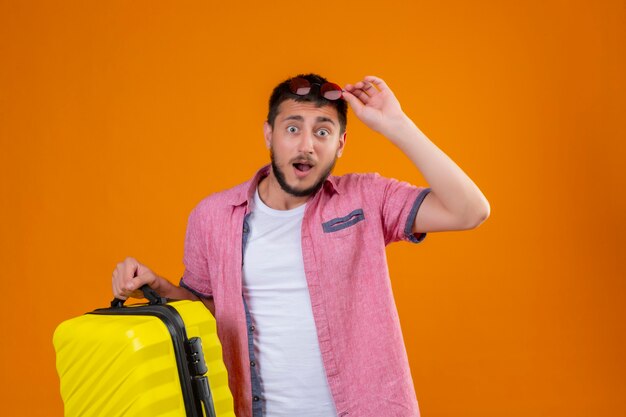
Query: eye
[323, 132]
[292, 129]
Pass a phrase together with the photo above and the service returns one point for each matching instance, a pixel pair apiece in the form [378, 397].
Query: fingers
[353, 101]
[378, 82]
[128, 276]
[366, 89]
[362, 90]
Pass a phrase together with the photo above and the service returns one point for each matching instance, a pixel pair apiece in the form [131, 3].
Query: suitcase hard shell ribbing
[133, 361]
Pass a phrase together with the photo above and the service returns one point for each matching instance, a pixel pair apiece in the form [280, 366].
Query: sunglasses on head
[301, 87]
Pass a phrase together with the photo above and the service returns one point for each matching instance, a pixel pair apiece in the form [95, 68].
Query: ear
[267, 132]
[342, 144]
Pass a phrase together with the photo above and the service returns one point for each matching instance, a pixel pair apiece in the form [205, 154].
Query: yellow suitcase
[143, 360]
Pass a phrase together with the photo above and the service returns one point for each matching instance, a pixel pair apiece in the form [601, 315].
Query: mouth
[302, 166]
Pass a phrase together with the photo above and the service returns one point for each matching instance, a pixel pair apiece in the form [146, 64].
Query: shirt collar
[246, 192]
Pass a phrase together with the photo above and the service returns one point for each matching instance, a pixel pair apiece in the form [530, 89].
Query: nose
[306, 143]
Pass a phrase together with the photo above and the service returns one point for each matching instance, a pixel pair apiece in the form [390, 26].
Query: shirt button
[252, 328]
[256, 398]
[252, 363]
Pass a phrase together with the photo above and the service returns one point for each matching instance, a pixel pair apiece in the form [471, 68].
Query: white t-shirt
[287, 351]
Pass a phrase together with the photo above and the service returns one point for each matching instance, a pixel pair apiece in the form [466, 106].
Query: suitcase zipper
[176, 327]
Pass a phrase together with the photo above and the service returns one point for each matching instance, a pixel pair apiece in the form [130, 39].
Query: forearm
[166, 289]
[169, 290]
[450, 186]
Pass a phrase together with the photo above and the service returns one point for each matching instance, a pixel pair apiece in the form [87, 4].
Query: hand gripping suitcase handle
[152, 296]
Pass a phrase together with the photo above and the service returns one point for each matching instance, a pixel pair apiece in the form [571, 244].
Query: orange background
[116, 118]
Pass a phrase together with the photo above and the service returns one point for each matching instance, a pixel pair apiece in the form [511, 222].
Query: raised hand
[374, 104]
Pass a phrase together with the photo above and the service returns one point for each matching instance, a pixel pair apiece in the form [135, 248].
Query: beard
[280, 177]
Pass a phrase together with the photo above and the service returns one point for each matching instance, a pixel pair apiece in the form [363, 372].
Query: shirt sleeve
[196, 276]
[400, 204]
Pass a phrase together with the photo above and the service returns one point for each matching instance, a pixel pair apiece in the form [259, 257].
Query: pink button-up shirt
[345, 229]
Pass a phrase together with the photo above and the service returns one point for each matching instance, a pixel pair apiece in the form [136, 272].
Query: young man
[292, 263]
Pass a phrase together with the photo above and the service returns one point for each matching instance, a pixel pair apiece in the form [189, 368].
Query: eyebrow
[319, 119]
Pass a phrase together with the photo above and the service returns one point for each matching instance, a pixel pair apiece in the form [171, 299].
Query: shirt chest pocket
[343, 225]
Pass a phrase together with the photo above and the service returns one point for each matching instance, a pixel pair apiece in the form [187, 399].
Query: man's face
[304, 145]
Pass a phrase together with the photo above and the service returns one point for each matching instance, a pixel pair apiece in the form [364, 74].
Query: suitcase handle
[152, 296]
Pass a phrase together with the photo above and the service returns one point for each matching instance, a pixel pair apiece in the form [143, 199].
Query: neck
[275, 197]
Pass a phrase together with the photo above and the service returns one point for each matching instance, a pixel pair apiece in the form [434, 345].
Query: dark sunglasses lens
[330, 91]
[300, 86]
